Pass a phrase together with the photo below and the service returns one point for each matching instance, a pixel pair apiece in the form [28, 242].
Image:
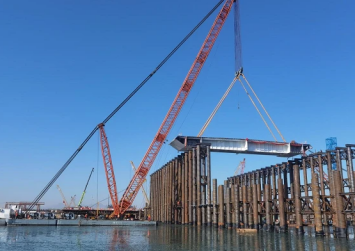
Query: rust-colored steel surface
[153, 150]
[110, 174]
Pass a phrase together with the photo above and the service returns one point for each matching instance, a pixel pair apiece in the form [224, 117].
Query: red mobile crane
[153, 150]
[104, 143]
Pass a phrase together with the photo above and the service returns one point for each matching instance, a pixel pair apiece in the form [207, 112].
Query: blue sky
[66, 65]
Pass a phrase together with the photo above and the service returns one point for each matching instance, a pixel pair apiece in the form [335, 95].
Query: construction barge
[316, 190]
[84, 216]
[76, 222]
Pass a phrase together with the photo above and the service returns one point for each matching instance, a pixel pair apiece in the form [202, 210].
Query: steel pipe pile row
[281, 196]
[295, 193]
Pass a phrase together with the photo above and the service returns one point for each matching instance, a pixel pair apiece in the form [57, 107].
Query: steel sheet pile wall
[177, 194]
[291, 194]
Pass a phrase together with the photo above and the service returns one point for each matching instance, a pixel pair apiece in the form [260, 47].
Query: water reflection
[161, 238]
[200, 238]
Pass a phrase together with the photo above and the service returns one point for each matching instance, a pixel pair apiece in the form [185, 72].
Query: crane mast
[153, 150]
[110, 174]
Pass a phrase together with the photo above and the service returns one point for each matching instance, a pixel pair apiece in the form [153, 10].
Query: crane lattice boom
[153, 150]
[110, 175]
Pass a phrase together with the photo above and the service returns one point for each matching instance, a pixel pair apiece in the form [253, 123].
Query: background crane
[72, 201]
[154, 148]
[143, 190]
[82, 196]
[240, 168]
[63, 197]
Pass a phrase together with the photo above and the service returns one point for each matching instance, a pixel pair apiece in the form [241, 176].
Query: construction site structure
[288, 194]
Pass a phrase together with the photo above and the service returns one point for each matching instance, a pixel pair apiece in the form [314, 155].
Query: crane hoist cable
[262, 117]
[174, 110]
[277, 129]
[224, 97]
[76, 152]
[217, 107]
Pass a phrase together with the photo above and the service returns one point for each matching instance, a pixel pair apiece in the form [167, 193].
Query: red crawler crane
[148, 160]
[153, 150]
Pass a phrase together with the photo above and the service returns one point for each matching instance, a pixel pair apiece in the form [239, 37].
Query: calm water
[159, 238]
